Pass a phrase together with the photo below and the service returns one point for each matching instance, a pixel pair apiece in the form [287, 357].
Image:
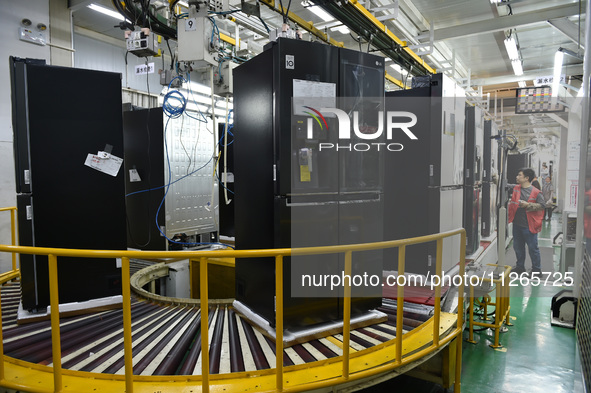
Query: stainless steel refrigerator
[473, 149]
[423, 190]
[66, 195]
[290, 194]
[181, 197]
[490, 167]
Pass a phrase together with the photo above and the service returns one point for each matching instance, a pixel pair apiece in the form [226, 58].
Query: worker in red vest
[526, 212]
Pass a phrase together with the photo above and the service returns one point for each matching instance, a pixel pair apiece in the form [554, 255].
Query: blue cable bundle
[174, 104]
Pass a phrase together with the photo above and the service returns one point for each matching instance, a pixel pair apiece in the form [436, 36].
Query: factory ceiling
[464, 38]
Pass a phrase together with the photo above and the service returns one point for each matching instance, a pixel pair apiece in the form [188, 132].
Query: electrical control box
[198, 41]
[143, 43]
[35, 37]
[219, 5]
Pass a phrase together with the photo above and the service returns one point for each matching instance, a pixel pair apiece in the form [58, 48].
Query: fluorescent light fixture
[511, 46]
[558, 58]
[341, 29]
[522, 84]
[106, 11]
[400, 70]
[517, 67]
[325, 16]
[199, 88]
[496, 1]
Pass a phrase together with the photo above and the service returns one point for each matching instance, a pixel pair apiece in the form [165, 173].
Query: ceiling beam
[99, 36]
[75, 5]
[528, 75]
[569, 29]
[506, 22]
[558, 119]
[411, 14]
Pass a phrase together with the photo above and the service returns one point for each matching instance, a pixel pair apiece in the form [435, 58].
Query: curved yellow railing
[278, 254]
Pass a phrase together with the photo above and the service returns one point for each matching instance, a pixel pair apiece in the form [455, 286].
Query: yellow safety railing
[502, 307]
[278, 254]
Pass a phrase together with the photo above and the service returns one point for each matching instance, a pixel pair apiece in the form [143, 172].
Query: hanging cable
[286, 17]
[282, 13]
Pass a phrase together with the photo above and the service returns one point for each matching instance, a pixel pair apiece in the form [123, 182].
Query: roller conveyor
[166, 339]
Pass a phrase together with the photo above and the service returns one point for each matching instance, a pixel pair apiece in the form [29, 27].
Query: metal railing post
[439, 275]
[127, 343]
[13, 235]
[204, 325]
[458, 376]
[400, 303]
[1, 346]
[347, 314]
[55, 324]
[508, 295]
[471, 316]
[279, 321]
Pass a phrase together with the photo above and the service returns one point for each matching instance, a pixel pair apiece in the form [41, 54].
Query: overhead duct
[361, 21]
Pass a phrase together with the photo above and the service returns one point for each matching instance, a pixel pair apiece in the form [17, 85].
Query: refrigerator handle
[290, 204]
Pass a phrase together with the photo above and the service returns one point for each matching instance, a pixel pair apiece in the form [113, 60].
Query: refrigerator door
[408, 199]
[492, 207]
[452, 133]
[489, 152]
[450, 213]
[305, 76]
[29, 265]
[473, 146]
[447, 126]
[302, 222]
[472, 218]
[20, 121]
[460, 117]
[313, 221]
[255, 170]
[361, 221]
[489, 209]
[361, 96]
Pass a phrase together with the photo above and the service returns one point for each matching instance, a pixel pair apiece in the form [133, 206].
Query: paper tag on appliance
[134, 176]
[110, 165]
[228, 177]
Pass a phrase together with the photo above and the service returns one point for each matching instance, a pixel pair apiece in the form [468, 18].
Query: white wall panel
[98, 55]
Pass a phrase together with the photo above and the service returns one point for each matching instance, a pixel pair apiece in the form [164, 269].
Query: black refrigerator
[490, 168]
[423, 184]
[473, 148]
[290, 194]
[68, 195]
